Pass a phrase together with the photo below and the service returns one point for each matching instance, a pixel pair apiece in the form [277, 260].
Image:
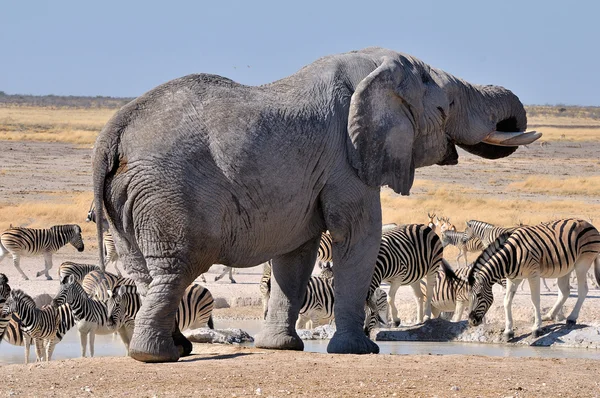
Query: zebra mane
[71, 226]
[3, 279]
[20, 296]
[485, 256]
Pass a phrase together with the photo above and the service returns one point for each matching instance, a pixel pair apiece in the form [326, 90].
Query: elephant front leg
[155, 337]
[290, 276]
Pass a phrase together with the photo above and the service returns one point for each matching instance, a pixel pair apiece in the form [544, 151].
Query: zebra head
[482, 297]
[69, 289]
[4, 288]
[376, 311]
[17, 301]
[121, 304]
[76, 239]
[113, 307]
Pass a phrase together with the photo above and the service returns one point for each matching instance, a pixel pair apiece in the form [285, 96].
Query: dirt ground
[236, 371]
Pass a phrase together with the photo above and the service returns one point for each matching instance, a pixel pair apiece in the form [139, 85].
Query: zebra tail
[449, 272]
[210, 323]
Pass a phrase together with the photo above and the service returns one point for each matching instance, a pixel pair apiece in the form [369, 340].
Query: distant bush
[61, 101]
[566, 111]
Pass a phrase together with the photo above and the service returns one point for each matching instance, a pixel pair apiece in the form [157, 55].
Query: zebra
[406, 255]
[488, 233]
[45, 326]
[77, 269]
[379, 319]
[225, 270]
[552, 249]
[31, 242]
[96, 283]
[265, 287]
[91, 315]
[456, 238]
[110, 250]
[195, 308]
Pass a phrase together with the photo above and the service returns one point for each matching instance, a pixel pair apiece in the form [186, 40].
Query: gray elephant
[203, 170]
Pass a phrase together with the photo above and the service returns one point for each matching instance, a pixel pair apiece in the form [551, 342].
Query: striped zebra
[486, 232]
[325, 253]
[78, 270]
[45, 326]
[110, 250]
[379, 319]
[96, 283]
[33, 242]
[91, 315]
[552, 250]
[265, 287]
[194, 311]
[406, 255]
[451, 293]
[456, 238]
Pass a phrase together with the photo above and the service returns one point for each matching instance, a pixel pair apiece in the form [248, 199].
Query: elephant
[202, 170]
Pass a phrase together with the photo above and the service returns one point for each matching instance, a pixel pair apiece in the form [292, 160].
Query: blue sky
[547, 52]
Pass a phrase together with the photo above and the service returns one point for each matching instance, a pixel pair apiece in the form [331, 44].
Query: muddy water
[110, 345]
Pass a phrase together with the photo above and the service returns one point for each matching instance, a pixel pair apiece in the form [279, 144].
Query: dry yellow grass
[461, 207]
[559, 186]
[72, 125]
[63, 209]
[569, 134]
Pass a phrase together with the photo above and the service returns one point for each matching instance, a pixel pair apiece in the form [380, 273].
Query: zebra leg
[564, 289]
[39, 349]
[231, 275]
[391, 299]
[83, 338]
[92, 338]
[222, 274]
[546, 285]
[16, 263]
[511, 289]
[582, 265]
[125, 334]
[416, 287]
[458, 311]
[534, 287]
[431, 282]
[27, 341]
[289, 280]
[47, 266]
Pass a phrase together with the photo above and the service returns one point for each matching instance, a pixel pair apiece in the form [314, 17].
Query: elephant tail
[105, 160]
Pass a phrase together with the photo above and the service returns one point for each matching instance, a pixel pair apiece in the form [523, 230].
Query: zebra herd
[98, 302]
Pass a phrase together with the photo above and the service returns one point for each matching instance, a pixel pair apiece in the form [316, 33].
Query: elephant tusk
[502, 138]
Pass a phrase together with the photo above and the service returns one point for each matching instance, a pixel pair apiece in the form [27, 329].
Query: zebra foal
[552, 250]
[456, 238]
[33, 242]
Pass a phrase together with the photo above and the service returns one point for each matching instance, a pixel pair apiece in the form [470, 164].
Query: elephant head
[405, 115]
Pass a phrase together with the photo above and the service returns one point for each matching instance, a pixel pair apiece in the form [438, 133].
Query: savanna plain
[45, 179]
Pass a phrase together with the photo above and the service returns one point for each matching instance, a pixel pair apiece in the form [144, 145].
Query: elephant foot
[278, 340]
[147, 346]
[508, 336]
[351, 343]
[536, 333]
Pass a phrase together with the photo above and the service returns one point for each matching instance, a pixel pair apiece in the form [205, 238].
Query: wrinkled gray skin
[202, 170]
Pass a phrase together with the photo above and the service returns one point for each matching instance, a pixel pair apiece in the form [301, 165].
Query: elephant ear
[382, 129]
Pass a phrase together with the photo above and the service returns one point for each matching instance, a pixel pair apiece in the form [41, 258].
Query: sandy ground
[235, 371]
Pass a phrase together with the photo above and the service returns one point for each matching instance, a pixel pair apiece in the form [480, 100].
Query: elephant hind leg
[290, 275]
[156, 337]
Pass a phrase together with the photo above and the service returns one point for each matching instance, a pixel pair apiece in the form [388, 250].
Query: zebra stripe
[195, 308]
[317, 305]
[406, 255]
[41, 325]
[550, 250]
[97, 283]
[265, 287]
[486, 232]
[451, 293]
[110, 250]
[32, 242]
[78, 270]
[379, 319]
[91, 316]
[455, 238]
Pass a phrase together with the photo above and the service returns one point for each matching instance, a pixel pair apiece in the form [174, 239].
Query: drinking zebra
[110, 250]
[456, 238]
[406, 255]
[45, 326]
[194, 311]
[552, 250]
[32, 242]
[91, 315]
